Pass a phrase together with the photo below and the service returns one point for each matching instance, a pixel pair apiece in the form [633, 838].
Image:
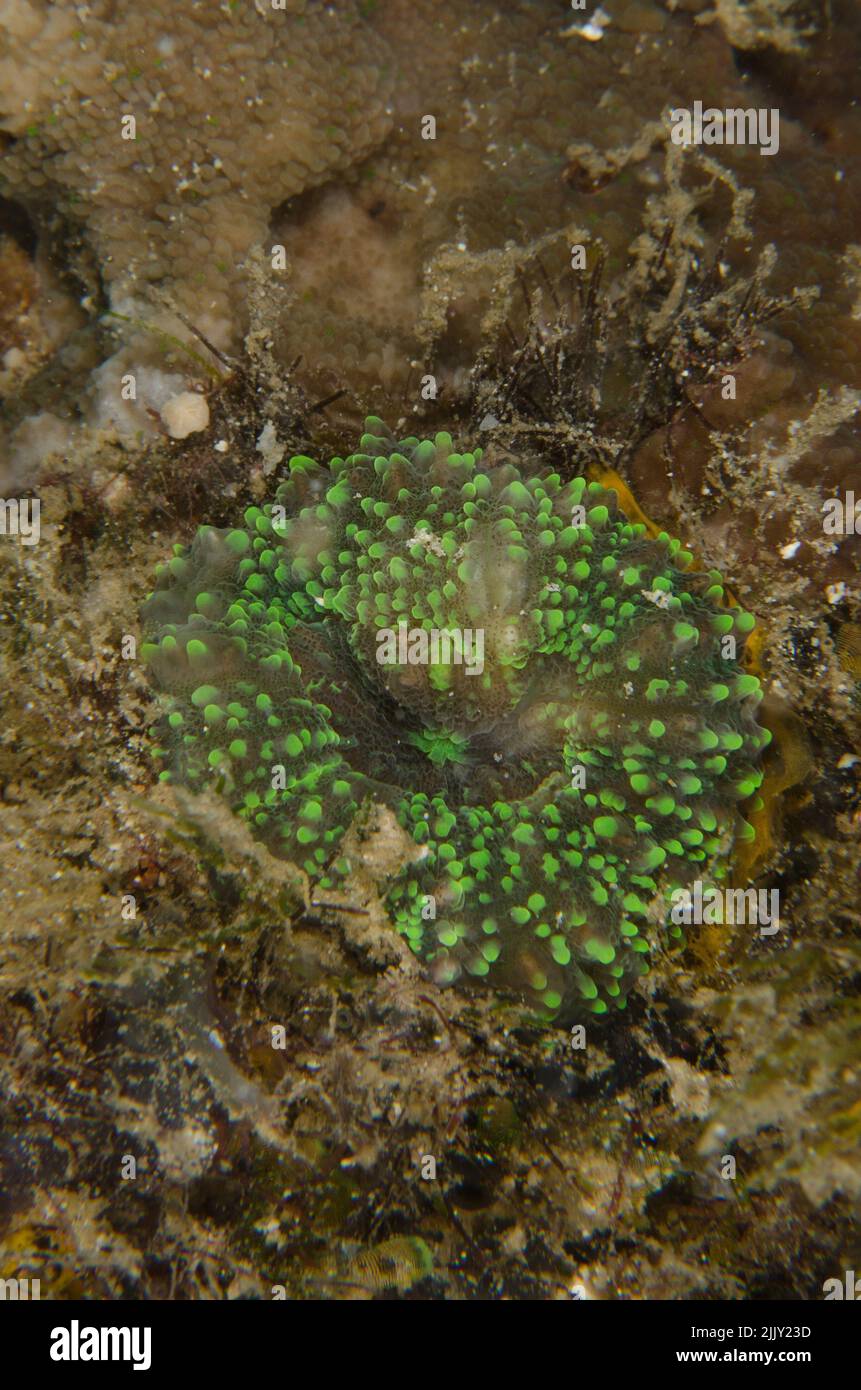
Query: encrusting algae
[575, 753]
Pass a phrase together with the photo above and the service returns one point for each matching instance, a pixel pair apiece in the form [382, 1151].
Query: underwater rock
[169, 135]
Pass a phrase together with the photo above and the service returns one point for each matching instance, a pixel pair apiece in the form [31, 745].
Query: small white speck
[593, 29]
[656, 596]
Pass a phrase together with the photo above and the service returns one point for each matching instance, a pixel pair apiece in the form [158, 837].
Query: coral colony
[563, 780]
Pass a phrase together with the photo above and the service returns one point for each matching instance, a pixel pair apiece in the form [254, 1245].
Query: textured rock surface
[235, 108]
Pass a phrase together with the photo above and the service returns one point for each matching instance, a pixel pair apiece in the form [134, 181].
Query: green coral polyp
[560, 789]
